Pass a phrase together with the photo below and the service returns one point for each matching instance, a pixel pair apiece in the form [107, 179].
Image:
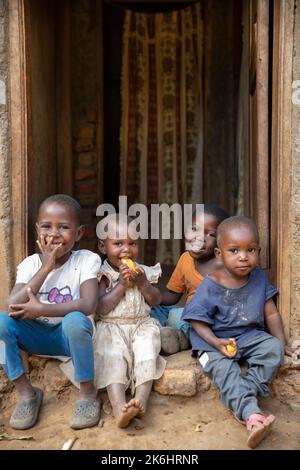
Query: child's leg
[160, 313]
[123, 412]
[16, 333]
[174, 320]
[235, 391]
[72, 337]
[142, 396]
[77, 333]
[264, 355]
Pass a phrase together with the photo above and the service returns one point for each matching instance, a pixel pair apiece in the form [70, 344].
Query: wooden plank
[19, 101]
[63, 80]
[281, 155]
[259, 131]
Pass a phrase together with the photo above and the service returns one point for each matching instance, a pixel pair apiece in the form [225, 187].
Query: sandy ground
[169, 424]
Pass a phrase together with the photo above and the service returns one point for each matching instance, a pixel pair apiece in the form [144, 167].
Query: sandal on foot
[86, 414]
[26, 411]
[259, 427]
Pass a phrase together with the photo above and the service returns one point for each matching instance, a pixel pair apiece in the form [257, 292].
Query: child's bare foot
[130, 410]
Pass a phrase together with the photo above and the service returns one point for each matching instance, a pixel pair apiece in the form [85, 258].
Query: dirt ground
[170, 424]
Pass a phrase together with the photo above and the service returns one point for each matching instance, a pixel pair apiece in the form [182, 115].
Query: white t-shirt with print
[62, 284]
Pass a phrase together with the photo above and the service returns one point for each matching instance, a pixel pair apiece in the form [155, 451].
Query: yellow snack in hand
[231, 348]
[131, 264]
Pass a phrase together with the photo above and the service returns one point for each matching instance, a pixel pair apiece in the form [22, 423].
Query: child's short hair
[104, 231]
[216, 211]
[65, 200]
[236, 221]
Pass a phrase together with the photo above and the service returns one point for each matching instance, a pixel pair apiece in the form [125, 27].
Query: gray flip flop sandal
[26, 412]
[86, 414]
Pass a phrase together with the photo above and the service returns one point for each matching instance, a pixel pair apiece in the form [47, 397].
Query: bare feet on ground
[132, 409]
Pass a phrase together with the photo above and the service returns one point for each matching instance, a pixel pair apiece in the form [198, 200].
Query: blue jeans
[72, 337]
[170, 316]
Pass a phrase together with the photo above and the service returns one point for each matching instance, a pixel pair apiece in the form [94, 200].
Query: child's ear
[218, 254]
[101, 247]
[80, 233]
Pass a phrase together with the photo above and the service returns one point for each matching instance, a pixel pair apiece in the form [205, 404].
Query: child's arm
[203, 330]
[34, 309]
[169, 297]
[275, 326]
[151, 293]
[107, 301]
[19, 293]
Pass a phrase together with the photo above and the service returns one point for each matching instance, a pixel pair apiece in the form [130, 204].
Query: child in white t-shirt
[49, 309]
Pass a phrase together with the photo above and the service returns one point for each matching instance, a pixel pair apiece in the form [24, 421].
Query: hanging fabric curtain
[162, 114]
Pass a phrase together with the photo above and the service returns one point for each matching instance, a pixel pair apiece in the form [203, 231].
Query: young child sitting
[127, 341]
[196, 262]
[229, 315]
[54, 294]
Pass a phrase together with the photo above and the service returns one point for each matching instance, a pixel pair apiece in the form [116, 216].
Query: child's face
[116, 248]
[199, 248]
[57, 224]
[239, 251]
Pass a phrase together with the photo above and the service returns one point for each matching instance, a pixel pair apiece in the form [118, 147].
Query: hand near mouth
[49, 252]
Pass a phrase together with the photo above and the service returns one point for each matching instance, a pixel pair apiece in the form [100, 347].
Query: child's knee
[6, 323]
[75, 324]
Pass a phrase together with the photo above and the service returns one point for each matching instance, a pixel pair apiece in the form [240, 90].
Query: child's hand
[125, 278]
[222, 347]
[48, 251]
[28, 311]
[139, 277]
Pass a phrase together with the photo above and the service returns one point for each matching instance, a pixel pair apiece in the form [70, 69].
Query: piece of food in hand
[231, 348]
[131, 264]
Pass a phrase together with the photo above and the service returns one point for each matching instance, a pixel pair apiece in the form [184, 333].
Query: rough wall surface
[84, 112]
[295, 199]
[5, 192]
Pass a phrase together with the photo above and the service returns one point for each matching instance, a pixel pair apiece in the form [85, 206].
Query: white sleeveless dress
[127, 340]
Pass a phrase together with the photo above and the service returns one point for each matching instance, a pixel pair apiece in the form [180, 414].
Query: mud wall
[295, 199]
[5, 189]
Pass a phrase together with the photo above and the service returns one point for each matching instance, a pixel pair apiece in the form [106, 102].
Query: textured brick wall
[84, 112]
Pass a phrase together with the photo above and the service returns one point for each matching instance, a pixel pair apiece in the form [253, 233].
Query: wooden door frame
[281, 151]
[281, 155]
[259, 123]
[20, 111]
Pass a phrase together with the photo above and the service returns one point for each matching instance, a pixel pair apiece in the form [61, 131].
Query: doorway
[74, 59]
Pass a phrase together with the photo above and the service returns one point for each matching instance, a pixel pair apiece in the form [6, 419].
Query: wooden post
[281, 155]
[20, 127]
[259, 123]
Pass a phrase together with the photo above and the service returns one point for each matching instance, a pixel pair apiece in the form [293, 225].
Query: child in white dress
[127, 341]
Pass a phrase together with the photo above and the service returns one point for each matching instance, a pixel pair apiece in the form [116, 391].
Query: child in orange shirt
[193, 265]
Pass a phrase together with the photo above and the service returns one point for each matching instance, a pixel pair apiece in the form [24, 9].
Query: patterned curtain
[162, 115]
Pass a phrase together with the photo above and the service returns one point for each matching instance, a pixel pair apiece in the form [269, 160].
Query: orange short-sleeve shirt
[185, 278]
